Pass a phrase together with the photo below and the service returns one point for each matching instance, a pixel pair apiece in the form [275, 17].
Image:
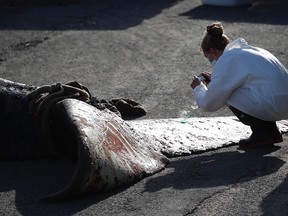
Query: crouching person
[249, 80]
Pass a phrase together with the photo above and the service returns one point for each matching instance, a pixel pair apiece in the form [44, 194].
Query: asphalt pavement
[149, 51]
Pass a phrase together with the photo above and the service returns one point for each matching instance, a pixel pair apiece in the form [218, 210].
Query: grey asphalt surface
[147, 50]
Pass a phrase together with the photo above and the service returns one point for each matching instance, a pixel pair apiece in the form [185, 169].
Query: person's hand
[195, 82]
[207, 76]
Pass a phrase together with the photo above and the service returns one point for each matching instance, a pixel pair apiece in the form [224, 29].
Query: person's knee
[243, 117]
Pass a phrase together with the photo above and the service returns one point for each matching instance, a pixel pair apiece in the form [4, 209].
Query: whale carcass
[59, 121]
[34, 123]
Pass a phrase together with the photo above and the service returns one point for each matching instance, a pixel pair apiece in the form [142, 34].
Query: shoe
[257, 142]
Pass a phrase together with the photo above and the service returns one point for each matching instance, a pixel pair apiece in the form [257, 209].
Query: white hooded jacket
[248, 78]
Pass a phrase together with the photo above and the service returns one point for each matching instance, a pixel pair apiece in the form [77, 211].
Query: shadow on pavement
[32, 180]
[219, 169]
[119, 15]
[276, 200]
[82, 15]
[261, 11]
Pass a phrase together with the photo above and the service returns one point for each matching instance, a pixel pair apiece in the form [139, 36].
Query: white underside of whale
[177, 137]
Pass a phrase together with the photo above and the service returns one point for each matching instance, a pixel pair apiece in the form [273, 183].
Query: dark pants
[260, 128]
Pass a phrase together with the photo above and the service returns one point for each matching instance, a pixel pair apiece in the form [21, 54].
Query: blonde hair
[214, 37]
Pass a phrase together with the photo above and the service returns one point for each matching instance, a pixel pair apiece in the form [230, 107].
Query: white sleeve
[226, 77]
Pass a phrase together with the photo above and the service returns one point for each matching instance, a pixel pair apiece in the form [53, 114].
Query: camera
[202, 78]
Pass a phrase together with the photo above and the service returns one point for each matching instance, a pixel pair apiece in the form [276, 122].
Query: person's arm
[226, 77]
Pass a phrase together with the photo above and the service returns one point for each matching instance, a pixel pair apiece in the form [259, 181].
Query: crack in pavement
[6, 53]
[250, 175]
[28, 44]
[204, 199]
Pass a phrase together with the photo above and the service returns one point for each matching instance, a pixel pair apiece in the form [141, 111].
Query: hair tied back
[215, 29]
